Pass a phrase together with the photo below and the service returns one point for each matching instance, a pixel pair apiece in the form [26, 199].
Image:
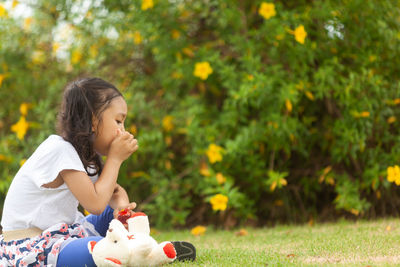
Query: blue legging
[76, 253]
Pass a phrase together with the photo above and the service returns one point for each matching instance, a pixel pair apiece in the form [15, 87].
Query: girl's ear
[95, 123]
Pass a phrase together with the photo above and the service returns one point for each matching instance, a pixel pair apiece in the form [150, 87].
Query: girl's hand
[129, 207]
[123, 145]
[124, 214]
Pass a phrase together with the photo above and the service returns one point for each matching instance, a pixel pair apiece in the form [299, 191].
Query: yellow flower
[242, 232]
[76, 56]
[219, 202]
[393, 174]
[273, 124]
[20, 128]
[2, 76]
[364, 114]
[220, 178]
[289, 106]
[300, 34]
[177, 75]
[147, 4]
[89, 15]
[391, 119]
[372, 58]
[175, 34]
[22, 162]
[139, 174]
[3, 11]
[330, 180]
[93, 50]
[168, 165]
[184, 14]
[133, 129]
[3, 157]
[198, 230]
[281, 182]
[168, 140]
[267, 10]
[27, 23]
[273, 186]
[214, 153]
[204, 170]
[202, 70]
[188, 52]
[137, 38]
[309, 95]
[324, 173]
[355, 212]
[55, 47]
[23, 108]
[38, 57]
[167, 123]
[300, 86]
[14, 3]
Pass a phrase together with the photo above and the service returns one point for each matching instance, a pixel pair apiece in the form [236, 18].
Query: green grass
[375, 243]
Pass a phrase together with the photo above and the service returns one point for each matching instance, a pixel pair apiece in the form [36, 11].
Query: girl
[41, 223]
[40, 216]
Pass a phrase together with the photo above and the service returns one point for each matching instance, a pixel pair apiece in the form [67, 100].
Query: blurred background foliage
[249, 112]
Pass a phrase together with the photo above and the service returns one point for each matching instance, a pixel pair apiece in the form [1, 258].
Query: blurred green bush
[245, 111]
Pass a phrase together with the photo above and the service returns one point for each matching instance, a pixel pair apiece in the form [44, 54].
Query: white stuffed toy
[135, 247]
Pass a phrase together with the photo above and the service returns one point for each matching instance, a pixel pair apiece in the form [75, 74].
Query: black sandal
[185, 251]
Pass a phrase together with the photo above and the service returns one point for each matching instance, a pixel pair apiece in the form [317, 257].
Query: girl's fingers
[115, 213]
[132, 205]
[133, 142]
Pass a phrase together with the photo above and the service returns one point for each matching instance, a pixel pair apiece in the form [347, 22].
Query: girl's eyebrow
[122, 114]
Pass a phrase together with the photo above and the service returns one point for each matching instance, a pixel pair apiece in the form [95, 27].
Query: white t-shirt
[29, 204]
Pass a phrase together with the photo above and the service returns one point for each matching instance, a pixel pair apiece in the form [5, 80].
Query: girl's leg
[102, 221]
[76, 253]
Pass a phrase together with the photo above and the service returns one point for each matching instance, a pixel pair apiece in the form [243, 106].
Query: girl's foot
[185, 251]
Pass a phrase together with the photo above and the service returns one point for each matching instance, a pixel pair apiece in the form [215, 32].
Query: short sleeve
[53, 156]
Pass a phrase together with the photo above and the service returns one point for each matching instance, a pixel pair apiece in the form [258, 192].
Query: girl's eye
[119, 122]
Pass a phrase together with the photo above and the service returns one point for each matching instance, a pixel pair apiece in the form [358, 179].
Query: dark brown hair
[84, 99]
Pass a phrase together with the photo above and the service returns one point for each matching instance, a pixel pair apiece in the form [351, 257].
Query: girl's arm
[94, 197]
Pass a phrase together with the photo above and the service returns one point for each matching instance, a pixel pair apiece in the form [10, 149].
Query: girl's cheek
[115, 133]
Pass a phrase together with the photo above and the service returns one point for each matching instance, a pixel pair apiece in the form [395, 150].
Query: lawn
[366, 243]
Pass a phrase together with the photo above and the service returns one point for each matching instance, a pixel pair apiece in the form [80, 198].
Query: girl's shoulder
[55, 139]
[55, 144]
[53, 153]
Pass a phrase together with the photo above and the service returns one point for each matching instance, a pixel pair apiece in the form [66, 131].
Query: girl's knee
[76, 253]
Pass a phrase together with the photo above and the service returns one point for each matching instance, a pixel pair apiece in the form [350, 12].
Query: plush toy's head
[113, 250]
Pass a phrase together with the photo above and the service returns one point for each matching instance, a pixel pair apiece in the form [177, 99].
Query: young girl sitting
[41, 222]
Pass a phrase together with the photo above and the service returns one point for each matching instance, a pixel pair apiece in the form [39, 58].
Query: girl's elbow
[96, 210]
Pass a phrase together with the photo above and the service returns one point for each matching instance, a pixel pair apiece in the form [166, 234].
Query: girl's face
[105, 129]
